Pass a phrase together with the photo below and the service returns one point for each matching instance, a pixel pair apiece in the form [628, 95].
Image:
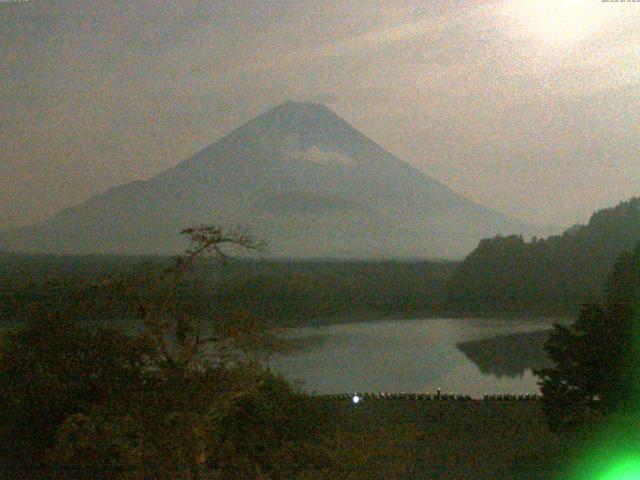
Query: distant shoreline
[422, 315]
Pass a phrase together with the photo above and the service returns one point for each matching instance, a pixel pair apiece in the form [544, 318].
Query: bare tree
[189, 335]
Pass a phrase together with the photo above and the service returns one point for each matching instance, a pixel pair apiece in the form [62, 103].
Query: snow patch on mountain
[321, 156]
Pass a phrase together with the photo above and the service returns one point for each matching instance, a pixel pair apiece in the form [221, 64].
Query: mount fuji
[298, 175]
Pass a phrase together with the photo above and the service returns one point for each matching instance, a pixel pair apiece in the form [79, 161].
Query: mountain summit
[298, 175]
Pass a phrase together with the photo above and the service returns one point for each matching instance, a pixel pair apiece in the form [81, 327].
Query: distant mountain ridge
[561, 272]
[298, 175]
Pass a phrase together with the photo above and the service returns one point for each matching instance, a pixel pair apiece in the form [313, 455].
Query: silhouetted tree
[79, 402]
[55, 368]
[597, 358]
[184, 398]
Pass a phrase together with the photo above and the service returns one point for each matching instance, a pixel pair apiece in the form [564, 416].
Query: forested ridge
[554, 274]
[503, 275]
[291, 293]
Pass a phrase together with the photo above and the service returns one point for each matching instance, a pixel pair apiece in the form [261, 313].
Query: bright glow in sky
[560, 22]
[530, 107]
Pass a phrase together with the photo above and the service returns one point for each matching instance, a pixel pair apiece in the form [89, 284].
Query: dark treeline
[289, 292]
[503, 275]
[555, 275]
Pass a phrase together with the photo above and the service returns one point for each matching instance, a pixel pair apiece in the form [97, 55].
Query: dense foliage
[597, 359]
[182, 397]
[79, 402]
[549, 276]
[290, 293]
[54, 369]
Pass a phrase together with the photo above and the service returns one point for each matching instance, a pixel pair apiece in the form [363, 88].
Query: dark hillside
[558, 273]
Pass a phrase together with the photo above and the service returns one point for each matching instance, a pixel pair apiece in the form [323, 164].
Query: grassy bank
[461, 439]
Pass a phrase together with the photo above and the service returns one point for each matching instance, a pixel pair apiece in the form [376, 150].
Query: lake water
[402, 356]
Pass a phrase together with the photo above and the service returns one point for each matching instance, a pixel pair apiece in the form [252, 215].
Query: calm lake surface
[402, 356]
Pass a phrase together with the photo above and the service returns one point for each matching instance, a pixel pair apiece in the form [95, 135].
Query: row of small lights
[358, 398]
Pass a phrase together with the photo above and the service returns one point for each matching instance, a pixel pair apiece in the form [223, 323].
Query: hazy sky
[531, 107]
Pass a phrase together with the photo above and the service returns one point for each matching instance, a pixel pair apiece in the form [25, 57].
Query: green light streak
[628, 469]
[611, 450]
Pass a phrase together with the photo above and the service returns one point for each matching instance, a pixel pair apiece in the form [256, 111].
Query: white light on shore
[356, 399]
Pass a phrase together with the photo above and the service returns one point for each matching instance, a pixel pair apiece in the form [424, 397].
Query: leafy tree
[183, 398]
[213, 425]
[597, 358]
[64, 385]
[55, 368]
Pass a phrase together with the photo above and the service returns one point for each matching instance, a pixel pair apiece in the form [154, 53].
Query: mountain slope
[559, 273]
[298, 175]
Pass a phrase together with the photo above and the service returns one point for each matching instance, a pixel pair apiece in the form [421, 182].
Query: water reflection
[410, 355]
[508, 355]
